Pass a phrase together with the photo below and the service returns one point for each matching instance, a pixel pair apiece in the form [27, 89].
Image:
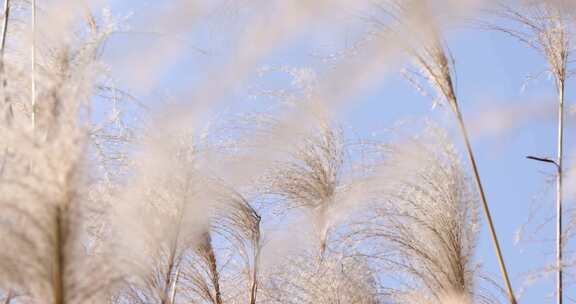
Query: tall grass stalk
[3, 78]
[545, 29]
[558, 57]
[33, 63]
[485, 207]
[6, 15]
[559, 236]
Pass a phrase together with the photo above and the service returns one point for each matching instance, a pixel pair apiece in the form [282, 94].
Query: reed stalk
[485, 207]
[560, 144]
[33, 73]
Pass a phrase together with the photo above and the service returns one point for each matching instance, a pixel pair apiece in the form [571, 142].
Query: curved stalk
[485, 207]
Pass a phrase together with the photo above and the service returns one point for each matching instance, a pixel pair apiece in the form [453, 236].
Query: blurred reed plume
[45, 172]
[113, 192]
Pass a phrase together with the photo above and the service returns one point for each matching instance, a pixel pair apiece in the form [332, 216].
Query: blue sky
[491, 68]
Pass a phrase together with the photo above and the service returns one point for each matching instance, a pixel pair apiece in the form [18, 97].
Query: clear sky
[507, 122]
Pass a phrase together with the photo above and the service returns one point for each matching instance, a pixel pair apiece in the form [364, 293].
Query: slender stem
[168, 276]
[174, 285]
[8, 298]
[4, 27]
[3, 77]
[256, 249]
[33, 92]
[58, 271]
[559, 191]
[485, 207]
[254, 285]
[215, 278]
[213, 267]
[173, 266]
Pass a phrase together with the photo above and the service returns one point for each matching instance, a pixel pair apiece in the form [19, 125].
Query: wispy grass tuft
[424, 228]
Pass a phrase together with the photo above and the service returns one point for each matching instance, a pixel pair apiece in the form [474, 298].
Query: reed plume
[182, 215]
[424, 228]
[44, 178]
